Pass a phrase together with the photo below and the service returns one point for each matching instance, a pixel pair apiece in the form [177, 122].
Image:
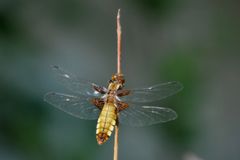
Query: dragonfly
[112, 105]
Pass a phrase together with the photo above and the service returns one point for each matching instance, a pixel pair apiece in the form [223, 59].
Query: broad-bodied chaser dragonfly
[112, 105]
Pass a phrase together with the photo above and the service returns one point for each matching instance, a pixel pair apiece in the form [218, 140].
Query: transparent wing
[77, 106]
[138, 116]
[153, 93]
[75, 83]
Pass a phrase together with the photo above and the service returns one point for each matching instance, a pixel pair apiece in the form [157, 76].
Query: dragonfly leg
[122, 93]
[121, 106]
[98, 102]
[99, 89]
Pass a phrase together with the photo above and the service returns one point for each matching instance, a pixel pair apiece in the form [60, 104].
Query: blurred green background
[194, 42]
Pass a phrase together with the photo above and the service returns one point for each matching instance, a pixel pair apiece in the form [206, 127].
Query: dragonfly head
[118, 81]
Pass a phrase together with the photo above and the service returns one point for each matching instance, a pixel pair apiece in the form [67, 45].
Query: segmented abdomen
[106, 123]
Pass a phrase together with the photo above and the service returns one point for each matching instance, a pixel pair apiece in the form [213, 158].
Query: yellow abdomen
[106, 122]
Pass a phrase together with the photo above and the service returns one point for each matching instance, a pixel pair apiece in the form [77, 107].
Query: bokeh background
[191, 41]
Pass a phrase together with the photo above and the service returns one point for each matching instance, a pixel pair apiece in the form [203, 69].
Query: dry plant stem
[115, 156]
[119, 43]
[119, 52]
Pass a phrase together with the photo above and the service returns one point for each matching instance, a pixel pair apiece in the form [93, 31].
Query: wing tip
[181, 87]
[174, 114]
[45, 97]
[54, 67]
[179, 84]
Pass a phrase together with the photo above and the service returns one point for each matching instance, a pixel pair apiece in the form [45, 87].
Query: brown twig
[119, 43]
[115, 150]
[119, 71]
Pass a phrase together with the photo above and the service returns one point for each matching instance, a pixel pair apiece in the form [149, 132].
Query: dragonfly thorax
[114, 86]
